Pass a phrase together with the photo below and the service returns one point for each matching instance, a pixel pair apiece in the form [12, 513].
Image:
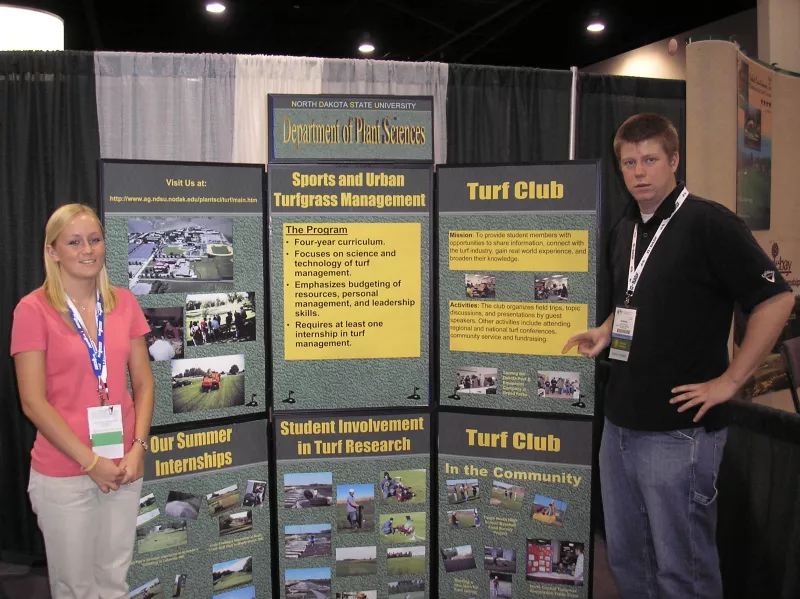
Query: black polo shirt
[705, 261]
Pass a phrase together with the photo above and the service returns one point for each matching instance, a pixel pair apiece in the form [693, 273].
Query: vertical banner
[517, 279]
[754, 145]
[203, 528]
[354, 505]
[188, 240]
[771, 375]
[350, 271]
[514, 506]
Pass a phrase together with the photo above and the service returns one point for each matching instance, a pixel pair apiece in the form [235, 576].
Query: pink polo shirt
[71, 383]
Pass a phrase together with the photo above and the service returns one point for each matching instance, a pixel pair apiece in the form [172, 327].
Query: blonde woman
[74, 340]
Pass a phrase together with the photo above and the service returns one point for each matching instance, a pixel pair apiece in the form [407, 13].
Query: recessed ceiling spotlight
[595, 27]
[366, 48]
[215, 7]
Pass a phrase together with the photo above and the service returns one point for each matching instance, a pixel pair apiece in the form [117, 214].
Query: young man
[352, 509]
[666, 420]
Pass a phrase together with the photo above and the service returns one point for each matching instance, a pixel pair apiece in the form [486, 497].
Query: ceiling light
[366, 48]
[215, 7]
[595, 27]
[30, 29]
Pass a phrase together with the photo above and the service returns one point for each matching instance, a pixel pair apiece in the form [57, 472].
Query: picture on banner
[771, 376]
[476, 379]
[201, 384]
[558, 385]
[548, 511]
[554, 288]
[232, 573]
[403, 528]
[499, 559]
[357, 561]
[179, 254]
[254, 493]
[355, 508]
[505, 495]
[457, 559]
[480, 286]
[405, 560]
[148, 590]
[223, 499]
[307, 540]
[235, 523]
[171, 534]
[165, 339]
[463, 490]
[754, 135]
[220, 318]
[308, 490]
[182, 505]
[407, 589]
[555, 562]
[308, 583]
[500, 585]
[404, 486]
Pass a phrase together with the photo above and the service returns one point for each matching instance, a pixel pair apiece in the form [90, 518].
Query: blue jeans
[659, 492]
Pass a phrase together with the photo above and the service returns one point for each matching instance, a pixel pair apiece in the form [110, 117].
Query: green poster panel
[188, 240]
[204, 520]
[349, 260]
[517, 279]
[514, 507]
[354, 505]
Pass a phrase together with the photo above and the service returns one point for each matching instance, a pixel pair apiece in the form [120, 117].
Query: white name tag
[622, 334]
[105, 431]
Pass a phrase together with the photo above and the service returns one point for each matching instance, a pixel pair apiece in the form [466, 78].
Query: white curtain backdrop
[165, 106]
[257, 76]
[352, 76]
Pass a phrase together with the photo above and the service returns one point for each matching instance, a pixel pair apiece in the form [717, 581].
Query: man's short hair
[647, 125]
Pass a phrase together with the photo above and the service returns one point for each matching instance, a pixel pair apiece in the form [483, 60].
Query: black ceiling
[539, 33]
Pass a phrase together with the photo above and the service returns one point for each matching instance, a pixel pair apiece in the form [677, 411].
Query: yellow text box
[519, 250]
[535, 329]
[351, 290]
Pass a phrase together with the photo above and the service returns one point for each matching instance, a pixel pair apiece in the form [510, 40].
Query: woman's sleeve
[28, 332]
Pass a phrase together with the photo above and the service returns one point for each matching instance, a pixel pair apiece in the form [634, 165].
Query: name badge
[105, 431]
[622, 334]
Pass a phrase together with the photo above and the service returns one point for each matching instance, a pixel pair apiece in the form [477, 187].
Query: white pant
[88, 535]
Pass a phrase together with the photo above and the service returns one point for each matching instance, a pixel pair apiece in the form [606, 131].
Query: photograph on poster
[507, 496]
[357, 561]
[499, 559]
[555, 562]
[254, 493]
[218, 318]
[463, 490]
[752, 129]
[165, 339]
[405, 560]
[464, 518]
[235, 522]
[179, 586]
[232, 573]
[476, 379]
[180, 254]
[169, 535]
[149, 590]
[244, 593]
[148, 510]
[554, 288]
[308, 489]
[224, 499]
[548, 510]
[403, 528]
[500, 585]
[457, 559]
[200, 384]
[558, 385]
[480, 286]
[357, 595]
[407, 589]
[182, 505]
[306, 540]
[308, 583]
[404, 486]
[355, 508]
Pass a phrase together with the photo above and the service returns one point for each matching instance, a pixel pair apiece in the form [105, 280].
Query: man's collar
[664, 210]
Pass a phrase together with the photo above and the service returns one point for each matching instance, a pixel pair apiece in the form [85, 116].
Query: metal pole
[573, 112]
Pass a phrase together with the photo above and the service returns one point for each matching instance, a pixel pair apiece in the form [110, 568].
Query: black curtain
[759, 504]
[507, 115]
[49, 147]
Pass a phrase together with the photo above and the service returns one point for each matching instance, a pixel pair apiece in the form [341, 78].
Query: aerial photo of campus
[180, 255]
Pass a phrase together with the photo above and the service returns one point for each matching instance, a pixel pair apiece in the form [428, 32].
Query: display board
[517, 279]
[346, 128]
[353, 505]
[203, 528]
[350, 270]
[514, 506]
[188, 240]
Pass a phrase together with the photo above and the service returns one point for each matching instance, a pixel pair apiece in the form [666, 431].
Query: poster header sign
[319, 128]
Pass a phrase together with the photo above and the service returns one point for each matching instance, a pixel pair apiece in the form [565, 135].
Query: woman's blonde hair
[53, 285]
